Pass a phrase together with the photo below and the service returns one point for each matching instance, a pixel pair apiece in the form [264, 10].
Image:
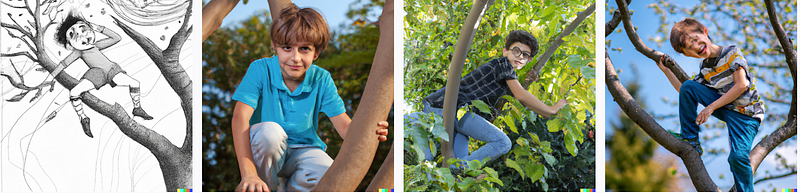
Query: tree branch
[16, 27]
[641, 47]
[21, 83]
[533, 75]
[786, 43]
[614, 21]
[359, 146]
[793, 172]
[21, 38]
[692, 161]
[23, 53]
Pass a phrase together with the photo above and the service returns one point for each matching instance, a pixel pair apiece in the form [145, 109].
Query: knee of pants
[267, 136]
[740, 158]
[504, 144]
[688, 86]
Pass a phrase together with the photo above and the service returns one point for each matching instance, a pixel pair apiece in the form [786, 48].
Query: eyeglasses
[519, 53]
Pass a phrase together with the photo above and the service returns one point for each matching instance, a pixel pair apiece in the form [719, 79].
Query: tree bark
[468, 30]
[533, 75]
[384, 179]
[360, 144]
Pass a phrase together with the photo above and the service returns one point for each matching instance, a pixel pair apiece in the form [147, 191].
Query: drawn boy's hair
[681, 30]
[61, 31]
[297, 24]
[523, 37]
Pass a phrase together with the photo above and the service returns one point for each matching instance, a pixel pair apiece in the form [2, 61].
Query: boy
[725, 87]
[488, 83]
[275, 119]
[78, 35]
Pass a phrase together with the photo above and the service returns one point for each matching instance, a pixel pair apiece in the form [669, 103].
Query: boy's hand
[704, 114]
[252, 184]
[382, 131]
[560, 105]
[661, 62]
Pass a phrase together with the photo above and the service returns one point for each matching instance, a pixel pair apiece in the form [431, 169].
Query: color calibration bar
[386, 190]
[789, 190]
[587, 190]
[184, 190]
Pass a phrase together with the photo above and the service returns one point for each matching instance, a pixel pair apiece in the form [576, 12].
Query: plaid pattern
[487, 83]
[717, 74]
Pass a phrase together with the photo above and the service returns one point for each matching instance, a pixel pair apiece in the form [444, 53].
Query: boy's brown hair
[525, 38]
[681, 30]
[297, 24]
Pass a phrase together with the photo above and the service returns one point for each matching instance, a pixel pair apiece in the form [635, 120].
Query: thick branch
[468, 30]
[533, 75]
[786, 43]
[692, 161]
[613, 23]
[359, 146]
[384, 178]
[641, 47]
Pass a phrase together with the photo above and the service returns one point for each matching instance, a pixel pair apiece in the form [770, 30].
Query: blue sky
[655, 86]
[333, 11]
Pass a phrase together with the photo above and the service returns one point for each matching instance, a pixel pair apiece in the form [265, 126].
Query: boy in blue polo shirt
[275, 119]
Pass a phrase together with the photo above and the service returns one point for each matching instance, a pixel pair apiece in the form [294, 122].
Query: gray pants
[296, 169]
[476, 127]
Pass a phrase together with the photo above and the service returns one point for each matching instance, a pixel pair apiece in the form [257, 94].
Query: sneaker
[86, 130]
[138, 111]
[694, 142]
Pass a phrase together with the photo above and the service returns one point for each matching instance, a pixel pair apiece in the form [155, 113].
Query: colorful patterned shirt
[717, 73]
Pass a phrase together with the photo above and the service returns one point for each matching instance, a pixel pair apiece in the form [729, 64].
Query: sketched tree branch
[692, 161]
[175, 162]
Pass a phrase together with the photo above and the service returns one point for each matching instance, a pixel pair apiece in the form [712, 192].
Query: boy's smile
[294, 60]
[519, 55]
[699, 46]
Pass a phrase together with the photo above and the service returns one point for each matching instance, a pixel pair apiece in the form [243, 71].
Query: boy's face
[295, 59]
[696, 45]
[519, 55]
[80, 36]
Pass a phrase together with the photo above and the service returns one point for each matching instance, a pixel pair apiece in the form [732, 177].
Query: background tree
[632, 167]
[767, 47]
[31, 29]
[540, 149]
[228, 52]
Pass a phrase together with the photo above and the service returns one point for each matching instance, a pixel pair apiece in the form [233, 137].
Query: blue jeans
[742, 129]
[476, 127]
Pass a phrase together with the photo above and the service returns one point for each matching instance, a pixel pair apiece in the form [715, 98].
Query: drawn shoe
[694, 142]
[86, 130]
[138, 111]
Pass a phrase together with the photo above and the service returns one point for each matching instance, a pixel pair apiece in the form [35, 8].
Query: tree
[692, 161]
[632, 167]
[175, 161]
[348, 57]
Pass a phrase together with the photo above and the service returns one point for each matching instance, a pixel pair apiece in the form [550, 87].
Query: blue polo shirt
[297, 112]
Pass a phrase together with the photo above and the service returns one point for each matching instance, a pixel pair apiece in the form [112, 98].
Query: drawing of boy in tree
[78, 35]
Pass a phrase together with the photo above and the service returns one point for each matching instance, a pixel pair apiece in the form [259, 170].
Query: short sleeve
[249, 89]
[737, 61]
[505, 71]
[332, 104]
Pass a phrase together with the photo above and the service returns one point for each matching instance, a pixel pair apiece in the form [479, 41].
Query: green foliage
[227, 54]
[555, 158]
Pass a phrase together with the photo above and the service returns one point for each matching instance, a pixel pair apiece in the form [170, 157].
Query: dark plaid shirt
[487, 83]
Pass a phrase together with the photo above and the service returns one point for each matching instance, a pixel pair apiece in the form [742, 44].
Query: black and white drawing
[121, 68]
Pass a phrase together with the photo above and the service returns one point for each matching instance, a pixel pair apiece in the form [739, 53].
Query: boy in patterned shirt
[725, 87]
[488, 83]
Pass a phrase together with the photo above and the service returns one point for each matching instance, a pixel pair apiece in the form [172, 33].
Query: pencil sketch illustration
[119, 66]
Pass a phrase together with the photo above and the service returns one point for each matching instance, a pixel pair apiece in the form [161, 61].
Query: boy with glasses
[488, 83]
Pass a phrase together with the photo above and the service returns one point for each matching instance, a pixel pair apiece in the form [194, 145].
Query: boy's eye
[305, 48]
[286, 48]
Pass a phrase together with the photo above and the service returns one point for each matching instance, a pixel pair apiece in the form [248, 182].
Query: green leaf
[588, 72]
[554, 125]
[420, 140]
[491, 172]
[513, 164]
[495, 180]
[569, 142]
[474, 165]
[510, 124]
[482, 106]
[438, 129]
[447, 177]
[549, 158]
[537, 170]
[522, 141]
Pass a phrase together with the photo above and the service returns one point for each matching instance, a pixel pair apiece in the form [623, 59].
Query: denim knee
[688, 86]
[738, 158]
[504, 145]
